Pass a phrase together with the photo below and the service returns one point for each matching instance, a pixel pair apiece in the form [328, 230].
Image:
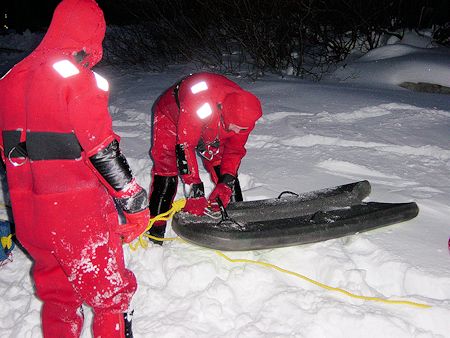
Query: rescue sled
[292, 220]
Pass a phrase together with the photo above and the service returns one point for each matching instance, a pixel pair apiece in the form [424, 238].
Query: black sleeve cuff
[197, 191]
[134, 203]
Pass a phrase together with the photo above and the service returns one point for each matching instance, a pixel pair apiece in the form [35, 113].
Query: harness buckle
[21, 149]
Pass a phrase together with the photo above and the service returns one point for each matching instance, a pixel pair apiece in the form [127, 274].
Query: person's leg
[114, 325]
[164, 172]
[62, 314]
[98, 276]
[90, 252]
[163, 190]
[97, 272]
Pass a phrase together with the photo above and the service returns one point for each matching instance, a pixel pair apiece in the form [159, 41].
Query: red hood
[241, 108]
[76, 25]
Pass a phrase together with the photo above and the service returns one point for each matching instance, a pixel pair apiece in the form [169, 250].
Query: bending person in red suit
[67, 176]
[207, 114]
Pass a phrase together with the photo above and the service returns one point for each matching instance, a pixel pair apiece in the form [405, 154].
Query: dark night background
[35, 15]
[305, 36]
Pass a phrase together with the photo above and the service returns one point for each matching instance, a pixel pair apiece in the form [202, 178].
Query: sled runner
[292, 220]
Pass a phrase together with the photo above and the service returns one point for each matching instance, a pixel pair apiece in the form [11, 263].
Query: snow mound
[396, 64]
[387, 52]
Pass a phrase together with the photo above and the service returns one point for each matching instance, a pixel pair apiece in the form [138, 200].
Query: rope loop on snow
[142, 239]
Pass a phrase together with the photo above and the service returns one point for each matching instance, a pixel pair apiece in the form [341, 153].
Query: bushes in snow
[296, 37]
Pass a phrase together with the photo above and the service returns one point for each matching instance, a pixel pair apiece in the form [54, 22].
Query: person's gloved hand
[136, 224]
[223, 192]
[196, 205]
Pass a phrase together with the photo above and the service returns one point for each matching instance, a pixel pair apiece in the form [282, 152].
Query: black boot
[237, 192]
[236, 196]
[158, 229]
[162, 193]
[128, 317]
[105, 323]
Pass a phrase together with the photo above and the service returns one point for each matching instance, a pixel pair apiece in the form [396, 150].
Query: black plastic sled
[292, 220]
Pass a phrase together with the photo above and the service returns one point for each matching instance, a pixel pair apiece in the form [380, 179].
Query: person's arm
[113, 170]
[233, 153]
[189, 129]
[88, 111]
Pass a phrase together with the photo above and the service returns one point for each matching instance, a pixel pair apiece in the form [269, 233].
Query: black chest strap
[41, 145]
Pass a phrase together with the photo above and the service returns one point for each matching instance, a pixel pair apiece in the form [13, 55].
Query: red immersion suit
[207, 114]
[182, 125]
[53, 118]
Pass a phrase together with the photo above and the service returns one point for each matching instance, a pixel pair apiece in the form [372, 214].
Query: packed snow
[358, 124]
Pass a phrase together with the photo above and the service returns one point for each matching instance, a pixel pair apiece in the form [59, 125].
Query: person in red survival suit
[207, 114]
[66, 174]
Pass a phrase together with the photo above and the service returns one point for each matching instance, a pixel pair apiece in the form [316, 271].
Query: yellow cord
[142, 242]
[179, 204]
[324, 286]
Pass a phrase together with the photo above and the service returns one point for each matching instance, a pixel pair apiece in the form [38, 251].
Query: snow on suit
[64, 171]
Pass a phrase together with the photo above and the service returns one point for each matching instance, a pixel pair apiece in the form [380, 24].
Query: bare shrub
[295, 37]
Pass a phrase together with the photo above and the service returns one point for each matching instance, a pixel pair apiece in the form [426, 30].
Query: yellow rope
[142, 242]
[179, 204]
[324, 286]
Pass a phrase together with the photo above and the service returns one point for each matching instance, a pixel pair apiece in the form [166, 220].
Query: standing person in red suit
[207, 114]
[66, 174]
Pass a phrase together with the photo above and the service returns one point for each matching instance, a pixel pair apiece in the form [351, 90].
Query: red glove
[136, 224]
[196, 206]
[223, 192]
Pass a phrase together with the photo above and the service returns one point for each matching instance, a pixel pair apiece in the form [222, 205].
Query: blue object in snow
[7, 245]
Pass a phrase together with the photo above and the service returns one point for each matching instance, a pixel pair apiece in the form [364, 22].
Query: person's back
[218, 86]
[41, 115]
[41, 118]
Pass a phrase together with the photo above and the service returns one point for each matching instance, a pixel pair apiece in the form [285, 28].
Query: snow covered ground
[358, 125]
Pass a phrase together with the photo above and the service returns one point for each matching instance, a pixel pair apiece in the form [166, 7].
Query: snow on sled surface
[287, 204]
[310, 217]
